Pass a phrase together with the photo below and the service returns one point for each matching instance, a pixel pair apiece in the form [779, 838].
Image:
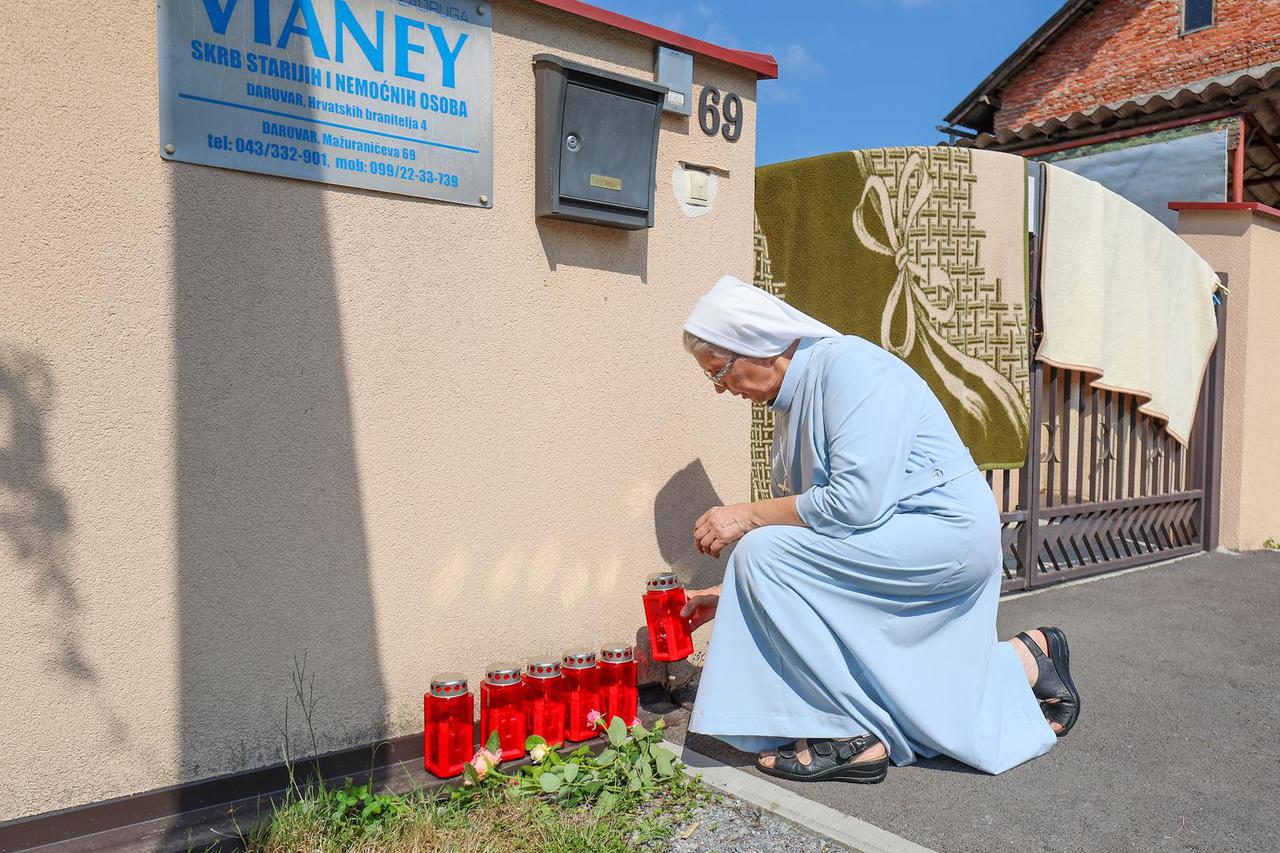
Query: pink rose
[635, 722]
[484, 761]
[593, 718]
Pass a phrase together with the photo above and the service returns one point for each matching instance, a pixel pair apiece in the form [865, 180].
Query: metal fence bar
[1052, 449]
[1064, 425]
[1080, 385]
[1131, 418]
[1093, 444]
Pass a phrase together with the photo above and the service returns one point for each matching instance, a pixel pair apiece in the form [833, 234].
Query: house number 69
[711, 111]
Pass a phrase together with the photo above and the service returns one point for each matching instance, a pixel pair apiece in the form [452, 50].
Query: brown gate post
[1029, 483]
[1211, 446]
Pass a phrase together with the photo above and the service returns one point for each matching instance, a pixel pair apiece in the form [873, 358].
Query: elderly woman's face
[754, 379]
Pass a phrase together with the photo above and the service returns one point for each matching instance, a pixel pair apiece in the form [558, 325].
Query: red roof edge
[763, 64]
[1255, 207]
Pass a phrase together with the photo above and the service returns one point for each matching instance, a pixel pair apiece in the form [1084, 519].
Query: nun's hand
[701, 606]
[721, 526]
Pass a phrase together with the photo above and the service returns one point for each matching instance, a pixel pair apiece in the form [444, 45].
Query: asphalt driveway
[1178, 747]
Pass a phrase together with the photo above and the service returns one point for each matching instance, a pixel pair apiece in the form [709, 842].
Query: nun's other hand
[701, 606]
[721, 526]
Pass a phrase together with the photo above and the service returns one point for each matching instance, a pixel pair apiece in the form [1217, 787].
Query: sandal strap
[1047, 685]
[844, 750]
[824, 753]
[1032, 646]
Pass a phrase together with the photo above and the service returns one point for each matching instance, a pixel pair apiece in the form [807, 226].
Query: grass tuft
[494, 822]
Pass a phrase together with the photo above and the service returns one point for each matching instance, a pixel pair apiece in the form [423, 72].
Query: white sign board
[389, 95]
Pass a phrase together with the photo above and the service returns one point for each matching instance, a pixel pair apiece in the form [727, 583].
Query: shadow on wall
[687, 495]
[34, 517]
[272, 550]
[578, 244]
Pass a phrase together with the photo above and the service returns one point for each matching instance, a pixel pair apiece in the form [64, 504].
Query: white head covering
[748, 321]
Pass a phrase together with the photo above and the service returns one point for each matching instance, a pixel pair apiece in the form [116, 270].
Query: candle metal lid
[547, 667]
[579, 659]
[447, 685]
[616, 653]
[502, 674]
[662, 581]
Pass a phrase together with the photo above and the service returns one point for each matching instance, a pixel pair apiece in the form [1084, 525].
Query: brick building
[1106, 74]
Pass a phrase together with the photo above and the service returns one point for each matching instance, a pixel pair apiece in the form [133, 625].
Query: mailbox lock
[572, 142]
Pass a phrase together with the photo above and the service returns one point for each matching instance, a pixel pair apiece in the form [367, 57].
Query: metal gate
[1105, 487]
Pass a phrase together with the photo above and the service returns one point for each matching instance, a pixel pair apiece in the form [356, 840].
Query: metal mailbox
[597, 144]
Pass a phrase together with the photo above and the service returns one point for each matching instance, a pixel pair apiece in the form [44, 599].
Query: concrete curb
[841, 828]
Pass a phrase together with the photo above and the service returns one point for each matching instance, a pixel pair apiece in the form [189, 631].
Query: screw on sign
[544, 696]
[503, 709]
[446, 716]
[670, 638]
[581, 692]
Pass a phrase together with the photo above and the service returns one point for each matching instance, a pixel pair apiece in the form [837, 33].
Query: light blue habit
[880, 615]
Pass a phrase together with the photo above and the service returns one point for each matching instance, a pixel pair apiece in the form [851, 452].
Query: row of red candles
[551, 698]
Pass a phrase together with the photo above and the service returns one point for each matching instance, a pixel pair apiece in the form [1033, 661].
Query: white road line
[841, 828]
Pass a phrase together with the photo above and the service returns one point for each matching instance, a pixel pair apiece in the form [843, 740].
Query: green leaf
[534, 740]
[662, 759]
[639, 731]
[550, 782]
[608, 800]
[617, 732]
[646, 772]
[469, 774]
[570, 772]
[494, 743]
[606, 757]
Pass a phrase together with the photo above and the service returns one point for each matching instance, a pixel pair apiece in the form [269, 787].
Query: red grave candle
[502, 708]
[670, 637]
[446, 715]
[581, 692]
[544, 694]
[618, 682]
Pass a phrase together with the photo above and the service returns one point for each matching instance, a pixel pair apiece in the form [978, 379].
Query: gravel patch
[733, 826]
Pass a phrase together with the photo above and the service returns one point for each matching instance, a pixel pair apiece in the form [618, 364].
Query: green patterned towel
[923, 251]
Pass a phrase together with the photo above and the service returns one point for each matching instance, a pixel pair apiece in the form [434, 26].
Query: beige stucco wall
[245, 418]
[1246, 246]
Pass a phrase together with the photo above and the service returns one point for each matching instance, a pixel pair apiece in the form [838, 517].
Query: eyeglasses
[718, 377]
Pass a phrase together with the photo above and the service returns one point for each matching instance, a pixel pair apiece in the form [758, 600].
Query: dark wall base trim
[196, 814]
[79, 821]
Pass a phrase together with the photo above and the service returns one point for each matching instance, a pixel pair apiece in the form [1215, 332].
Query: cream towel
[1125, 298]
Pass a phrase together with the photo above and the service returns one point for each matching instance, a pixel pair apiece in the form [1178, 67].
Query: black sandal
[1053, 680]
[829, 760]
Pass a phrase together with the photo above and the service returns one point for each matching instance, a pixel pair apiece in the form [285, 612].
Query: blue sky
[855, 73]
